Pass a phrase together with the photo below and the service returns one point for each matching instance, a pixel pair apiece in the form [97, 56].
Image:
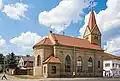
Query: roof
[29, 64]
[69, 41]
[107, 56]
[52, 59]
[45, 41]
[77, 42]
[92, 21]
[28, 58]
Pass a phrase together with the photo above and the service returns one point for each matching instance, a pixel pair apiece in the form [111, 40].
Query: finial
[92, 4]
[50, 31]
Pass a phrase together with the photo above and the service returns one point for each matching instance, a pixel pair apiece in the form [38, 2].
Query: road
[12, 78]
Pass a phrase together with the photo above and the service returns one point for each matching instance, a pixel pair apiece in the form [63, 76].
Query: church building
[65, 56]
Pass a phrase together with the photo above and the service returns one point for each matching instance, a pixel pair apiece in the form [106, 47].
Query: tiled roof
[77, 42]
[52, 59]
[45, 41]
[28, 58]
[107, 56]
[29, 64]
[69, 41]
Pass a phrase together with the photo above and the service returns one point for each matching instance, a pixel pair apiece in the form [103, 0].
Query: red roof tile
[77, 42]
[69, 41]
[107, 56]
[45, 41]
[52, 59]
[29, 64]
[29, 58]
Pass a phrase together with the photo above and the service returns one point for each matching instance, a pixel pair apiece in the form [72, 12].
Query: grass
[27, 77]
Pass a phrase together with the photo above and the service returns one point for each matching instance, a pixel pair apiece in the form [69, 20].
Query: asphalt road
[12, 78]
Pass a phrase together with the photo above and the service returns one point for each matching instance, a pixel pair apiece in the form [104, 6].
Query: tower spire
[92, 32]
[92, 20]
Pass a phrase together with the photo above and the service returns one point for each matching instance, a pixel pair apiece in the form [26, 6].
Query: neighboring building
[25, 66]
[65, 56]
[111, 65]
[1, 68]
[17, 58]
[26, 62]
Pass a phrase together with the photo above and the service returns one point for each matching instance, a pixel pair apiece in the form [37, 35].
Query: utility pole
[4, 65]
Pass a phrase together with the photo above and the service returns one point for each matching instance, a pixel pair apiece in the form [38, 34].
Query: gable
[87, 31]
[21, 60]
[96, 30]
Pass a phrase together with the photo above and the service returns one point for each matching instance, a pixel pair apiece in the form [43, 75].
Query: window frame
[53, 71]
[96, 37]
[67, 64]
[99, 64]
[44, 69]
[108, 64]
[38, 60]
[79, 64]
[90, 65]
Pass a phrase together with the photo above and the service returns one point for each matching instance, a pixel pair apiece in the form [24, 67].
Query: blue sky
[35, 7]
[30, 20]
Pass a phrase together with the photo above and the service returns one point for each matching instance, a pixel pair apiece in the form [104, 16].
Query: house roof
[107, 56]
[52, 59]
[28, 58]
[29, 64]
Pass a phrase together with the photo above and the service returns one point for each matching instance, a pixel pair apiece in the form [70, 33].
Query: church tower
[92, 32]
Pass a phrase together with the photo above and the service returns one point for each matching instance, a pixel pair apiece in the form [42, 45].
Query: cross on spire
[92, 3]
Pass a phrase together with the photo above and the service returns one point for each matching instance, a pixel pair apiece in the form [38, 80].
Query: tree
[27, 55]
[11, 60]
[1, 62]
[1, 58]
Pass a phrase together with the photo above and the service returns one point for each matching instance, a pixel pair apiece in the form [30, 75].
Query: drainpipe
[74, 70]
[94, 63]
[84, 64]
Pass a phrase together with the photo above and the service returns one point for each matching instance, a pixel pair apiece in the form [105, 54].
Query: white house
[25, 62]
[111, 65]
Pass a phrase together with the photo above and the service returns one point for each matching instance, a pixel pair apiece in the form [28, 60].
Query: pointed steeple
[92, 32]
[92, 20]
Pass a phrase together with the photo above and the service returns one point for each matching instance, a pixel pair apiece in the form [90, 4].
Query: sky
[23, 23]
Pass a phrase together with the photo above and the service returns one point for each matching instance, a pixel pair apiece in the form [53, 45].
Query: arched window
[96, 37]
[67, 63]
[90, 65]
[79, 64]
[98, 64]
[38, 60]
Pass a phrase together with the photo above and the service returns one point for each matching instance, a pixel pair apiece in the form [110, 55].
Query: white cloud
[26, 41]
[1, 4]
[15, 11]
[60, 17]
[2, 45]
[2, 42]
[113, 46]
[108, 21]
